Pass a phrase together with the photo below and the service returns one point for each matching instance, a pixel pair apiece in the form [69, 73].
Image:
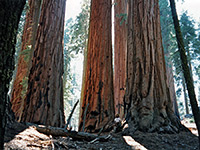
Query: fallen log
[55, 131]
[70, 116]
[85, 112]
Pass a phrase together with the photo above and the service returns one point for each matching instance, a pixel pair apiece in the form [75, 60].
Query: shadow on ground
[22, 137]
[155, 141]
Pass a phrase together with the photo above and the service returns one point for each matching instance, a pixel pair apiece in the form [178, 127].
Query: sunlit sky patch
[73, 8]
[192, 6]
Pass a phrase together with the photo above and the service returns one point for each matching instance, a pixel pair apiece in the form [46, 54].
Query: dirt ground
[22, 137]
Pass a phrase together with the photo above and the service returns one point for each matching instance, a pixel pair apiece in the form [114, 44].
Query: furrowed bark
[98, 87]
[120, 50]
[23, 66]
[148, 103]
[44, 99]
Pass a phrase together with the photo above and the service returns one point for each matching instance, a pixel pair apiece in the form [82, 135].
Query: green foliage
[75, 36]
[20, 32]
[24, 84]
[26, 53]
[78, 31]
[189, 35]
[188, 30]
[168, 33]
[19, 41]
[75, 40]
[123, 17]
[191, 43]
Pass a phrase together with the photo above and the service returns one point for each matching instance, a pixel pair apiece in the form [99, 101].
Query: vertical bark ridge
[23, 66]
[147, 94]
[98, 78]
[120, 50]
[44, 101]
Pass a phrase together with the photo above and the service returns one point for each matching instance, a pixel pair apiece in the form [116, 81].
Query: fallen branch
[55, 131]
[100, 139]
[70, 116]
[84, 117]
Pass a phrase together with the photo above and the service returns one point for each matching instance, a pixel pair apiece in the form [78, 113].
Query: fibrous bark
[170, 85]
[148, 102]
[98, 87]
[23, 66]
[44, 100]
[120, 50]
[10, 12]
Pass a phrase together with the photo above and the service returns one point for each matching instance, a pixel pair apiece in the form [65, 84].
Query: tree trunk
[167, 40]
[189, 64]
[185, 96]
[84, 62]
[83, 80]
[44, 100]
[120, 51]
[186, 70]
[148, 103]
[98, 88]
[170, 85]
[24, 64]
[183, 80]
[10, 12]
[170, 82]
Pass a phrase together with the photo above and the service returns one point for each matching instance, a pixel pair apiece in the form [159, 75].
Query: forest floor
[23, 137]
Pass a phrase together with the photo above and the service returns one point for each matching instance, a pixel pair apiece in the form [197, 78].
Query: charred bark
[120, 50]
[10, 12]
[44, 99]
[98, 87]
[148, 103]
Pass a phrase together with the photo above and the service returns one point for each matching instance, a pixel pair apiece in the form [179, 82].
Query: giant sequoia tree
[44, 100]
[120, 49]
[148, 103]
[98, 87]
[10, 12]
[24, 62]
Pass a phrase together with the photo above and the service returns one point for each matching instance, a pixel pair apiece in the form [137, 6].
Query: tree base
[164, 129]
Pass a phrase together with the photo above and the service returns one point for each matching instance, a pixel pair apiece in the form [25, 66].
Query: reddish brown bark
[170, 84]
[120, 50]
[23, 66]
[98, 89]
[44, 100]
[149, 107]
